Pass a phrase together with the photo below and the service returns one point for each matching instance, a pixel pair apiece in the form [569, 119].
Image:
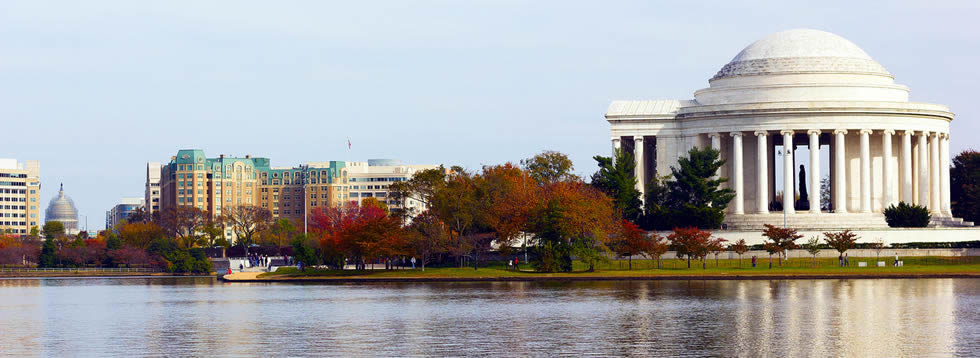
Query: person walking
[413, 262]
[846, 264]
[896, 260]
[753, 260]
[840, 260]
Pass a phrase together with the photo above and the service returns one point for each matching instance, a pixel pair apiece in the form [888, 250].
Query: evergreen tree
[964, 177]
[692, 197]
[617, 179]
[48, 253]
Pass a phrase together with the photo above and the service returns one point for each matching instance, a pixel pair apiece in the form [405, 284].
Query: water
[203, 317]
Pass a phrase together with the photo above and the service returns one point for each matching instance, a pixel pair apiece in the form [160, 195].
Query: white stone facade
[801, 89]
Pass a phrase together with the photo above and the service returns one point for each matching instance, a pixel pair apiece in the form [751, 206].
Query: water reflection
[198, 316]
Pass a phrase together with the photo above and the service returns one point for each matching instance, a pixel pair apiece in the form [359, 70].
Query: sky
[96, 89]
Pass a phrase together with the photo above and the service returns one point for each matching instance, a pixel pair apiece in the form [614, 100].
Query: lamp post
[786, 191]
[306, 196]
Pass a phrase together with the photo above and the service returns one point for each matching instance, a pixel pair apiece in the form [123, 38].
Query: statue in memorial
[804, 202]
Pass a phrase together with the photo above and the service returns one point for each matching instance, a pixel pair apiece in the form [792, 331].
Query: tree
[457, 204]
[246, 221]
[506, 195]
[964, 189]
[690, 242]
[906, 215]
[427, 237]
[631, 241]
[140, 234]
[840, 241]
[303, 251]
[356, 232]
[658, 247]
[48, 252]
[53, 229]
[716, 247]
[813, 247]
[212, 232]
[138, 215]
[877, 245]
[550, 167]
[182, 223]
[739, 248]
[422, 186]
[782, 239]
[572, 216]
[825, 193]
[283, 229]
[617, 178]
[657, 207]
[695, 189]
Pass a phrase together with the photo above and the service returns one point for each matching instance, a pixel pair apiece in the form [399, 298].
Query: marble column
[934, 186]
[638, 171]
[865, 170]
[944, 175]
[616, 146]
[907, 167]
[888, 172]
[923, 170]
[737, 177]
[789, 190]
[762, 180]
[716, 145]
[814, 170]
[840, 185]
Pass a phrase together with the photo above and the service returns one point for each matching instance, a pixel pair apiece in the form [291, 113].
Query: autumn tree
[182, 223]
[421, 187]
[782, 239]
[140, 234]
[246, 221]
[617, 178]
[457, 205]
[356, 232]
[507, 196]
[659, 246]
[572, 216]
[840, 241]
[427, 237]
[630, 241]
[690, 243]
[739, 248]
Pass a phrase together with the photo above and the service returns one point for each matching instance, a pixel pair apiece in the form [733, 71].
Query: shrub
[907, 215]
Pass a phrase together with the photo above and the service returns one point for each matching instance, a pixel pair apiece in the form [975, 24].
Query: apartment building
[122, 210]
[20, 193]
[151, 194]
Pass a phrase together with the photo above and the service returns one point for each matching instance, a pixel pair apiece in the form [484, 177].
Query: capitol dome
[801, 65]
[62, 208]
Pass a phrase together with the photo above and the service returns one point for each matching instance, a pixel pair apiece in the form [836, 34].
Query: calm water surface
[202, 317]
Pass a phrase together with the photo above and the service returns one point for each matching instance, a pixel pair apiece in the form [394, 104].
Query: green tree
[695, 192]
[283, 229]
[617, 178]
[53, 229]
[303, 251]
[813, 247]
[211, 233]
[49, 253]
[549, 167]
[964, 189]
[906, 215]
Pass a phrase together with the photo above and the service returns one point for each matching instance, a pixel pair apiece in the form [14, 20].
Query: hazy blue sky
[95, 89]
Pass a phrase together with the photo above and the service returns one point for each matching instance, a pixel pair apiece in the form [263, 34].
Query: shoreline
[581, 278]
[70, 274]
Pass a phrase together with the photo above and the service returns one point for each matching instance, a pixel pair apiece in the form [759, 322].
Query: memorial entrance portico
[801, 102]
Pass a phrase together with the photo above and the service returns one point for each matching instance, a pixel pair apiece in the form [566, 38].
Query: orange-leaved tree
[690, 242]
[782, 239]
[631, 240]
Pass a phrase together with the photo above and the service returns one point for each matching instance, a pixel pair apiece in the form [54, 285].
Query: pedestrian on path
[413, 262]
[845, 261]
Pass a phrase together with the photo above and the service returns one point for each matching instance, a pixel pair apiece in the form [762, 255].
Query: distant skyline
[107, 86]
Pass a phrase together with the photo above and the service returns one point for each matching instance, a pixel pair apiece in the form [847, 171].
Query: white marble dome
[801, 65]
[798, 51]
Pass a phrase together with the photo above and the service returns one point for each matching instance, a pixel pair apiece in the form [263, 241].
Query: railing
[80, 269]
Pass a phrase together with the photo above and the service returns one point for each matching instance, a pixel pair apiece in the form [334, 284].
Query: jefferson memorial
[808, 91]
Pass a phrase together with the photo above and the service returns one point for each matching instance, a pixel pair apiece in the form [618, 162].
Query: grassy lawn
[670, 267]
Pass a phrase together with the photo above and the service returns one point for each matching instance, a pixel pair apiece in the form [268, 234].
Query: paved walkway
[242, 276]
